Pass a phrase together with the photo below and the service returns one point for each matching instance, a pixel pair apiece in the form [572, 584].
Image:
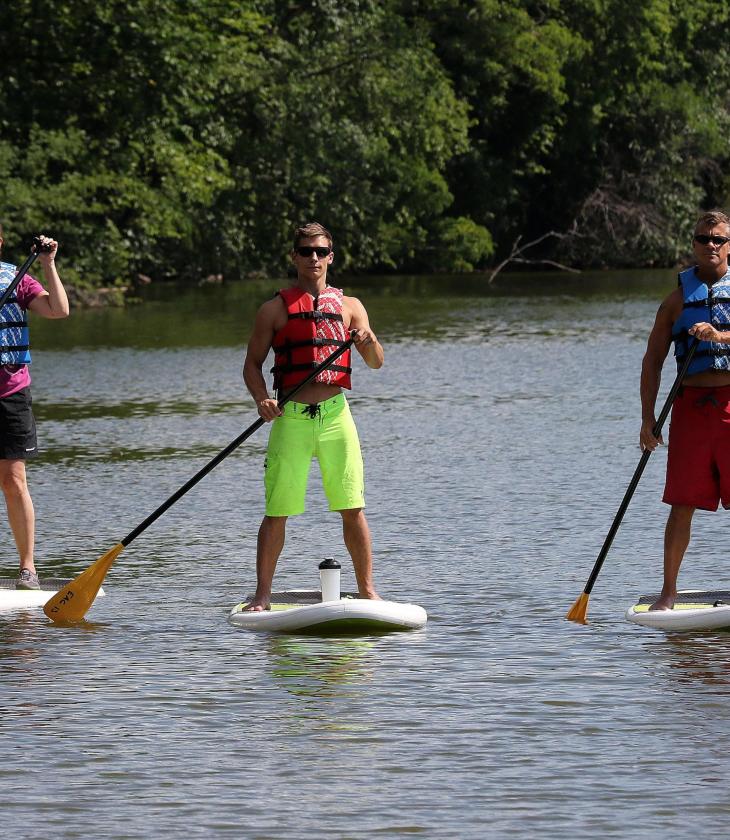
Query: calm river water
[499, 439]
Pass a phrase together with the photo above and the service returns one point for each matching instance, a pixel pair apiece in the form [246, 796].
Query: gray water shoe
[27, 580]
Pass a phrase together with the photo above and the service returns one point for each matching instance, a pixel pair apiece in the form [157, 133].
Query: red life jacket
[313, 331]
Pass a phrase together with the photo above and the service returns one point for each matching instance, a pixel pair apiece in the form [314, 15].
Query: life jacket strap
[288, 346]
[308, 366]
[317, 315]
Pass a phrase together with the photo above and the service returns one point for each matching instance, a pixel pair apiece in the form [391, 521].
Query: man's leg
[357, 540]
[268, 548]
[676, 540]
[286, 469]
[21, 515]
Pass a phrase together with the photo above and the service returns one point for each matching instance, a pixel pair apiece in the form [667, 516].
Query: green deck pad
[678, 607]
[295, 598]
[695, 599]
[47, 584]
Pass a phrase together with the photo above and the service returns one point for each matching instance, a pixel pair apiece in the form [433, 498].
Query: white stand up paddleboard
[328, 612]
[25, 599]
[693, 610]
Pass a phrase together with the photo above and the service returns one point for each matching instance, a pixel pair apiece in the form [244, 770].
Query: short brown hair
[712, 218]
[310, 230]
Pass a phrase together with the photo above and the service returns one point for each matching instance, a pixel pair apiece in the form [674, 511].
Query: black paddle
[73, 601]
[579, 609]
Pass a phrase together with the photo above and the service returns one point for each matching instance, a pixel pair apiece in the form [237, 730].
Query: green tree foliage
[596, 116]
[650, 101]
[108, 143]
[187, 137]
[354, 123]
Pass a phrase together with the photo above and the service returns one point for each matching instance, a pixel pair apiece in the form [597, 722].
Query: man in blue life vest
[304, 325]
[698, 464]
[17, 424]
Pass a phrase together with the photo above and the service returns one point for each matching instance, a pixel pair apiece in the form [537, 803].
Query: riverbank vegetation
[186, 138]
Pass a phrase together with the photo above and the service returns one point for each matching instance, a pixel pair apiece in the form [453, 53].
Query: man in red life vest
[698, 466]
[304, 325]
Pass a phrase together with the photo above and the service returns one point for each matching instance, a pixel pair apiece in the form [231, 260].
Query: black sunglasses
[704, 239]
[308, 250]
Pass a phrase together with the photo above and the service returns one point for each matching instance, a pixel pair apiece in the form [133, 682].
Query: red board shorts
[698, 466]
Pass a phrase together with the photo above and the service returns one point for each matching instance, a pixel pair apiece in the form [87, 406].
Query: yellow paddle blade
[71, 603]
[579, 610]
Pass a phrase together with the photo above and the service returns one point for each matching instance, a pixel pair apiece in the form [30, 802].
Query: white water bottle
[329, 577]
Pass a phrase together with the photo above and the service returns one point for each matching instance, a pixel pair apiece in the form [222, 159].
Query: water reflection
[315, 667]
[18, 648]
[691, 658]
[23, 655]
[78, 410]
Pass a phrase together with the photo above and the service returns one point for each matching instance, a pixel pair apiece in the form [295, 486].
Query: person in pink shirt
[17, 424]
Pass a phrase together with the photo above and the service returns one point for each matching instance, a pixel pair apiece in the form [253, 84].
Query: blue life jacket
[702, 304]
[14, 335]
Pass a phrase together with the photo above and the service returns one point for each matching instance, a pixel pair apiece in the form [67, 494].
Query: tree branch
[517, 252]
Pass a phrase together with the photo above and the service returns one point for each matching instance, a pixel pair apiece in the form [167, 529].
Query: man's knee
[681, 514]
[273, 523]
[352, 514]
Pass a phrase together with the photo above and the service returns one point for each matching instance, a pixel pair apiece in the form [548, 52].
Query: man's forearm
[650, 381]
[373, 355]
[253, 378]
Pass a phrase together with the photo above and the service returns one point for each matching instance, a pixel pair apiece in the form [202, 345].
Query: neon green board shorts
[326, 432]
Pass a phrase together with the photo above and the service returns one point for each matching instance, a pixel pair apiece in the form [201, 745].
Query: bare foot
[258, 605]
[666, 602]
[370, 595]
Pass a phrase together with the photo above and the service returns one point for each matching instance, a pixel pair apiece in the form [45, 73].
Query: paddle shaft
[21, 272]
[640, 469]
[234, 444]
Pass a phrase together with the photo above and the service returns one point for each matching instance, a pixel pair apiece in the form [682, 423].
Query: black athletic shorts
[17, 426]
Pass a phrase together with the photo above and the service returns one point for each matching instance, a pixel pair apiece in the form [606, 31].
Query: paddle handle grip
[21, 271]
[633, 484]
[234, 444]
